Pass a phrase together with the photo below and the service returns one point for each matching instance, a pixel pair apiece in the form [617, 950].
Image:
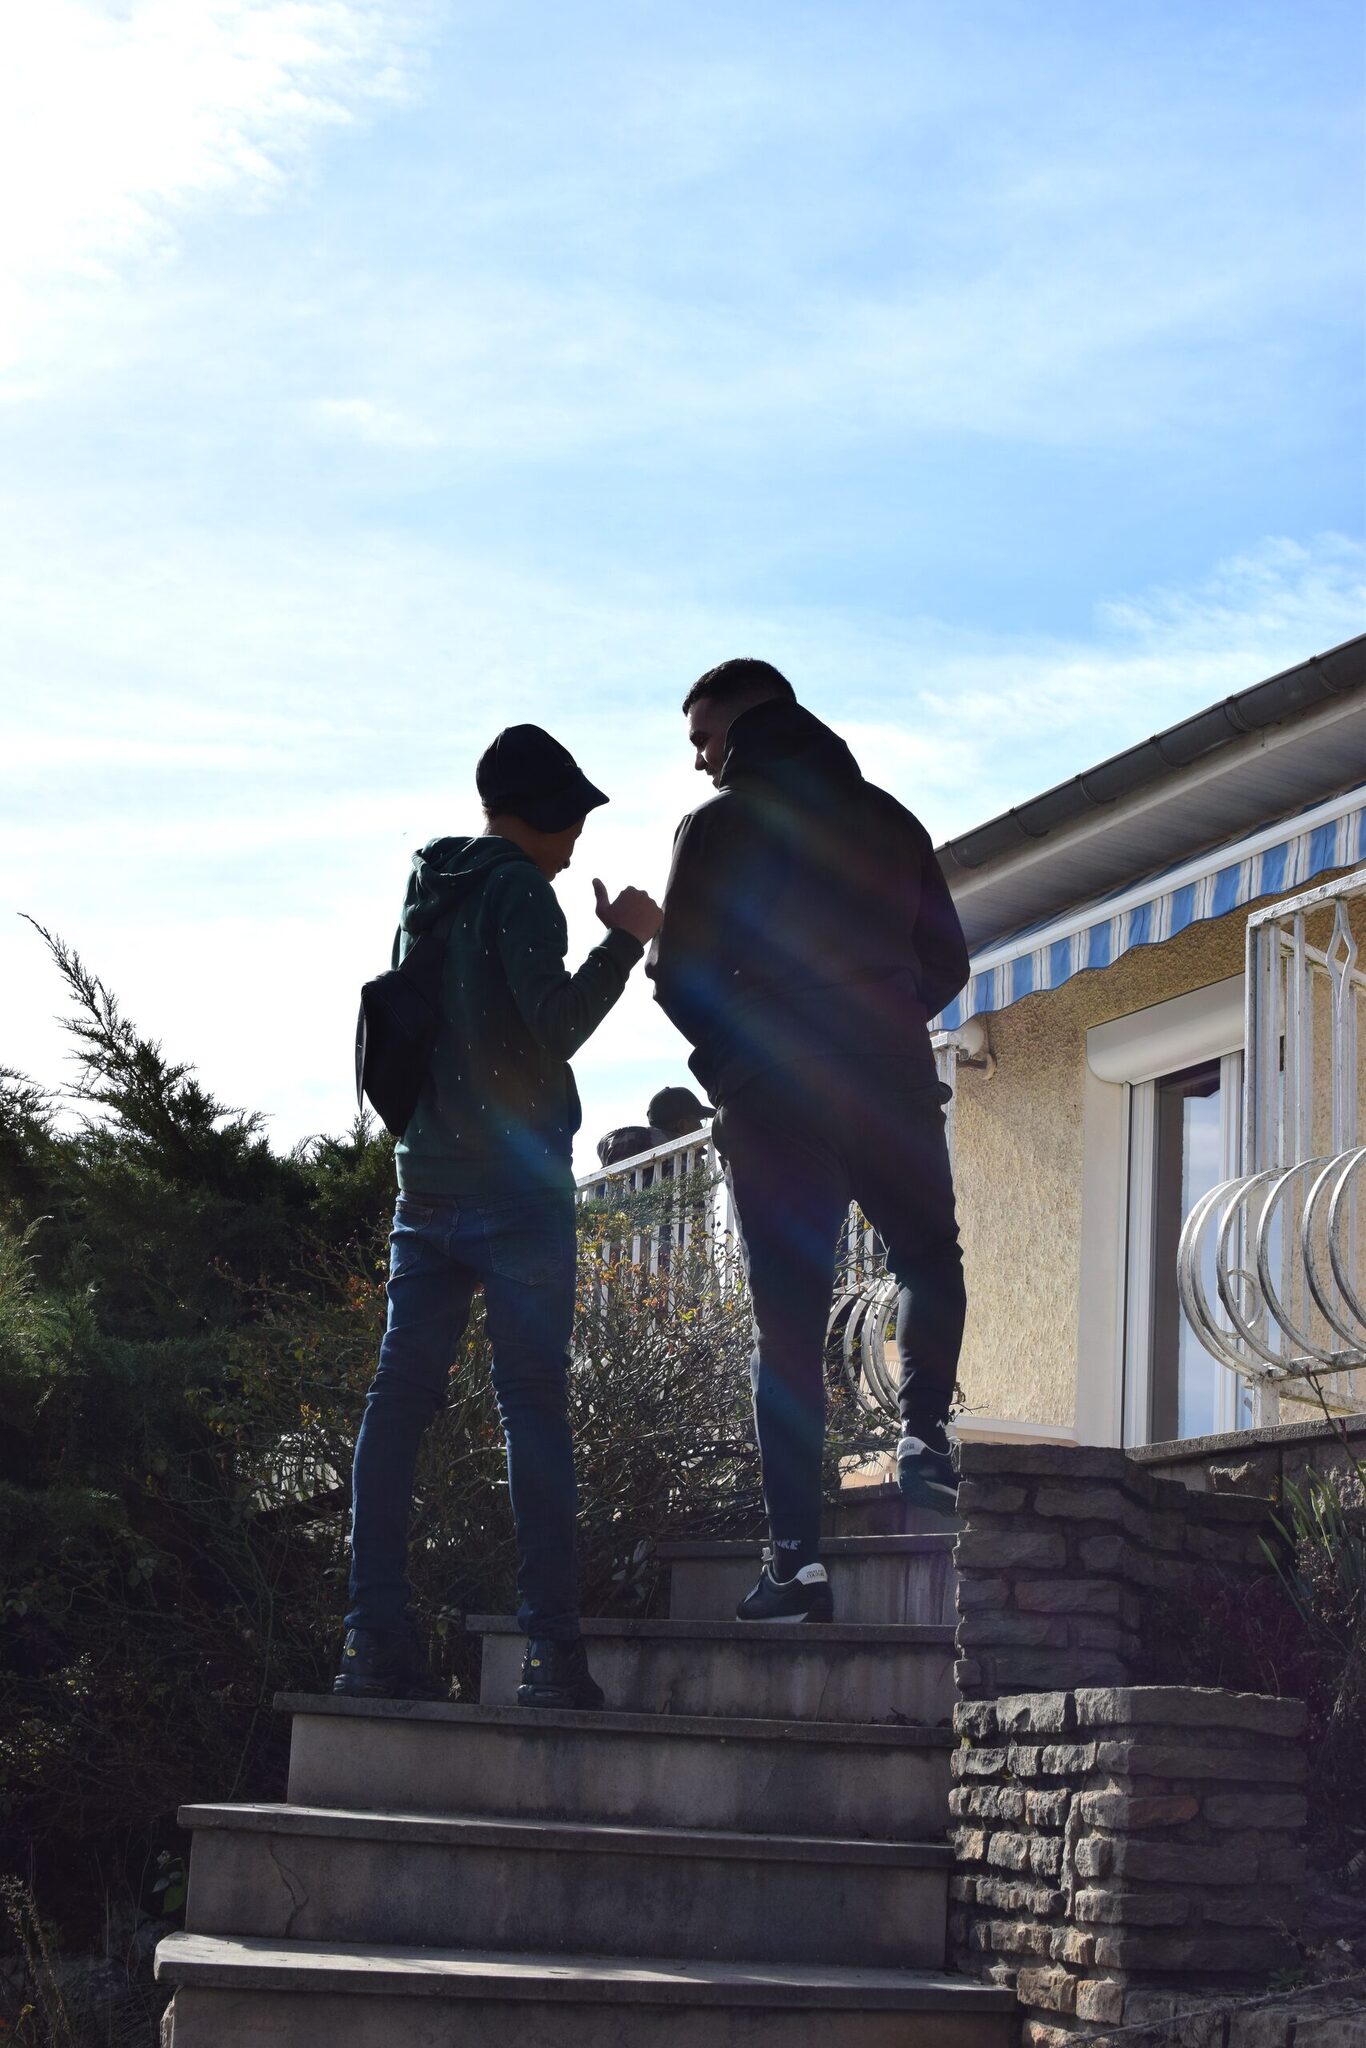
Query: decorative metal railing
[669, 1196]
[1272, 1264]
[672, 1195]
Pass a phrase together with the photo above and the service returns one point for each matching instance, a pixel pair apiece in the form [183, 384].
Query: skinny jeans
[798, 1144]
[522, 1251]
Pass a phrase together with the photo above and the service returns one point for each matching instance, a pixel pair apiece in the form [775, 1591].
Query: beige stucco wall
[1019, 1171]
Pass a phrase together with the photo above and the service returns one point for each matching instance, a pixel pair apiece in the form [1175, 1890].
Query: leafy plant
[44, 2017]
[1321, 1558]
[188, 1325]
[1320, 1561]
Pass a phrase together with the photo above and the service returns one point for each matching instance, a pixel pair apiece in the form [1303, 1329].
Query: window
[1183, 1140]
[1162, 1118]
[1184, 1380]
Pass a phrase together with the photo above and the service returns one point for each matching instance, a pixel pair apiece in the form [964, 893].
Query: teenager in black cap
[486, 1198]
[677, 1113]
[673, 1113]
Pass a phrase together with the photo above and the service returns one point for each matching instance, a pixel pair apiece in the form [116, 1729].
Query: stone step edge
[859, 1635]
[850, 1547]
[886, 1492]
[538, 1836]
[546, 1720]
[244, 1962]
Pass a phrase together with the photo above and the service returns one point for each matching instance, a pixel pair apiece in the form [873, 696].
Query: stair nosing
[855, 1497]
[693, 1549]
[241, 1960]
[590, 1837]
[544, 1720]
[905, 1635]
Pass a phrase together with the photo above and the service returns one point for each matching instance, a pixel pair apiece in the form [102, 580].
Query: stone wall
[1258, 1461]
[1059, 1547]
[1120, 1849]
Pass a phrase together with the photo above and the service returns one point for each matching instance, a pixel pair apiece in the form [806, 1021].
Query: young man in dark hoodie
[486, 1198]
[808, 937]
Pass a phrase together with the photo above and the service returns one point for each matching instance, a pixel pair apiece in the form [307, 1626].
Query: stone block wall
[1258, 1461]
[1058, 1549]
[1119, 1849]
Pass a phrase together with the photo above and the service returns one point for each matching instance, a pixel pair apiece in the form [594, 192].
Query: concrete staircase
[745, 1851]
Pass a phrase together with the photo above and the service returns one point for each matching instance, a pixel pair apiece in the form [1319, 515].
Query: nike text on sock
[786, 1558]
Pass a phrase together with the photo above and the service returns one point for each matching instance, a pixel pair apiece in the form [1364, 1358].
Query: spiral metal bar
[1289, 1306]
[1271, 1267]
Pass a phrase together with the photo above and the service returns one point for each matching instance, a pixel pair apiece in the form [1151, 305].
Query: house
[747, 1845]
[1100, 1058]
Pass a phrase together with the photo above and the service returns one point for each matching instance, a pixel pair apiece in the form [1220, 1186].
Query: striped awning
[1271, 862]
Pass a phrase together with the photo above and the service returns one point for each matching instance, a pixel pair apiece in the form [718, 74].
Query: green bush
[188, 1324]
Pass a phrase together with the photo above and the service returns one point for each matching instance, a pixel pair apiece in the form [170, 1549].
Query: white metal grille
[1272, 1264]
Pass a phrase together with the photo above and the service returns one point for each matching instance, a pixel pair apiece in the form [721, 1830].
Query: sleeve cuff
[625, 950]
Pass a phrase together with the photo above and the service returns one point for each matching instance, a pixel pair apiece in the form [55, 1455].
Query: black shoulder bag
[396, 1029]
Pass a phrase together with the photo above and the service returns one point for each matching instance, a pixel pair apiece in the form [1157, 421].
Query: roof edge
[1338, 672]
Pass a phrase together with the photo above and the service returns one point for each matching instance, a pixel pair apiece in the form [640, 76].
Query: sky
[375, 375]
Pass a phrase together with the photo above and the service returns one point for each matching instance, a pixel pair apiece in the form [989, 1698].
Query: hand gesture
[633, 911]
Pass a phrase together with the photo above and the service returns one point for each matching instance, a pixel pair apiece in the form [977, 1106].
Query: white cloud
[366, 483]
[289, 719]
[1062, 344]
[117, 120]
[1160, 654]
[381, 426]
[752, 246]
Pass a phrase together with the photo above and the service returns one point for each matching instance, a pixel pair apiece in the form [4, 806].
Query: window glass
[1187, 1163]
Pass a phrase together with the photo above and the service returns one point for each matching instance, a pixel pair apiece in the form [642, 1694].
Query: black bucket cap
[527, 774]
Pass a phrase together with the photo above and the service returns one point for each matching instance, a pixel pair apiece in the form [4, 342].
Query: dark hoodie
[806, 914]
[499, 1109]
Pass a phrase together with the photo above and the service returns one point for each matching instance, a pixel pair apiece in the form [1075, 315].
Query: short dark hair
[737, 678]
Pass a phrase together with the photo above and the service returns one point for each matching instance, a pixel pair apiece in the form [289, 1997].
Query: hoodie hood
[784, 746]
[445, 871]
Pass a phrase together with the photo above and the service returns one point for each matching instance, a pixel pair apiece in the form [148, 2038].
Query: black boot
[384, 1664]
[556, 1674]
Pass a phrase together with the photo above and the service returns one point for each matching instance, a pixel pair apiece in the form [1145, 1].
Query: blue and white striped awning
[1271, 862]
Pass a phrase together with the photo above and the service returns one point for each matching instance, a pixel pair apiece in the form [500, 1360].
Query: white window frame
[1137, 1360]
[1125, 1058]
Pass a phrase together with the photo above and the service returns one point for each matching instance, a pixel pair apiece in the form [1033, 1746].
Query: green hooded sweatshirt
[499, 1109]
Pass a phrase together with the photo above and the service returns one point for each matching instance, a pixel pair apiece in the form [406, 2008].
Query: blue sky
[372, 376]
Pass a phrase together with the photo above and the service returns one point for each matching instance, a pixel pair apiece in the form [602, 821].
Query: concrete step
[647, 1770]
[883, 1511]
[900, 1672]
[321, 1874]
[304, 1995]
[873, 1578]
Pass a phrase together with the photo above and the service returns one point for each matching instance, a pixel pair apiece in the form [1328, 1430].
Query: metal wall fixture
[1272, 1266]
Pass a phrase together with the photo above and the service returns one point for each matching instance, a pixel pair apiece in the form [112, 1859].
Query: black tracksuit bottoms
[798, 1145]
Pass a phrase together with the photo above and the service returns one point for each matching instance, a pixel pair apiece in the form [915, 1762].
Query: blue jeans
[522, 1251]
